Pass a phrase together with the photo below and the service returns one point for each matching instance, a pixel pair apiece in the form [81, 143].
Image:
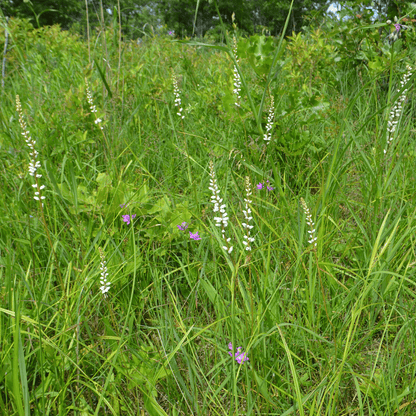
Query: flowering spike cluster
[396, 111]
[221, 221]
[240, 357]
[311, 232]
[105, 285]
[270, 120]
[237, 80]
[34, 164]
[93, 108]
[247, 216]
[177, 92]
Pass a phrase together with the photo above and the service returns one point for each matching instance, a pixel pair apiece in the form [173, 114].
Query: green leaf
[206, 45]
[153, 407]
[102, 75]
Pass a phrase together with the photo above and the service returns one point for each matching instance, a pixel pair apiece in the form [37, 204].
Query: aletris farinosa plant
[34, 164]
[248, 239]
[270, 120]
[397, 109]
[105, 285]
[237, 80]
[312, 231]
[177, 93]
[222, 220]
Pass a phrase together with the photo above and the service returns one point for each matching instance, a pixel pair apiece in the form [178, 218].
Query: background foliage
[253, 15]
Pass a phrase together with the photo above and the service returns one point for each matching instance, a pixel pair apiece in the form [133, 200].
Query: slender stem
[105, 60]
[6, 43]
[113, 317]
[45, 225]
[119, 45]
[88, 32]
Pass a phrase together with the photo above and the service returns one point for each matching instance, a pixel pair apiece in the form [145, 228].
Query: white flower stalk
[105, 285]
[34, 164]
[270, 121]
[248, 239]
[222, 220]
[237, 80]
[312, 231]
[93, 108]
[396, 111]
[177, 93]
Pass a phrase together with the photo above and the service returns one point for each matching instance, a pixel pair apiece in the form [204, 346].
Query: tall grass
[327, 329]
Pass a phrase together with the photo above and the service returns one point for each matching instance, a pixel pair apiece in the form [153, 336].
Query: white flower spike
[248, 239]
[311, 232]
[34, 164]
[222, 220]
[237, 80]
[105, 285]
[396, 111]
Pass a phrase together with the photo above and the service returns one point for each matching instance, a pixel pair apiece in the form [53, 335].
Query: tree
[44, 12]
[180, 15]
[272, 13]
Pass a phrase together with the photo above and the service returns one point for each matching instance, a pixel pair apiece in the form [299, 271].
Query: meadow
[196, 228]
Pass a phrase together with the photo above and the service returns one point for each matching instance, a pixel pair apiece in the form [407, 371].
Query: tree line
[187, 17]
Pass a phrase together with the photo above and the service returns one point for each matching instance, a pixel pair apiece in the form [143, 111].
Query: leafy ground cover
[248, 250]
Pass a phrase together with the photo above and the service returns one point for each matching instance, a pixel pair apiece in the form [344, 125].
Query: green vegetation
[323, 305]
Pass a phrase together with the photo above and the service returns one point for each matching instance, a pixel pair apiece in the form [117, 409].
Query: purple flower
[126, 218]
[392, 37]
[171, 33]
[260, 186]
[183, 226]
[240, 357]
[122, 205]
[194, 236]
